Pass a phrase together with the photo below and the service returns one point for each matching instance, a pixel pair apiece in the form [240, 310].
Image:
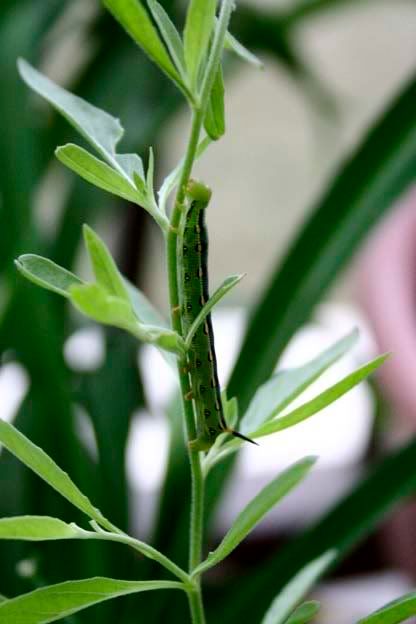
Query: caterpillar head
[199, 191]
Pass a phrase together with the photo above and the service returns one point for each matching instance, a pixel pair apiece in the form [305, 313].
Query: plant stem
[197, 495]
[142, 548]
[198, 483]
[196, 606]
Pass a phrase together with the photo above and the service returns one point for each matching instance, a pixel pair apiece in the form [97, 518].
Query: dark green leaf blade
[381, 168]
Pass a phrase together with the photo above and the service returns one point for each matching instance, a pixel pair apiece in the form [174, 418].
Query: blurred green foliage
[34, 324]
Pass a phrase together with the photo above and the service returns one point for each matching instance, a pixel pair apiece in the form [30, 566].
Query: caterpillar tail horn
[237, 434]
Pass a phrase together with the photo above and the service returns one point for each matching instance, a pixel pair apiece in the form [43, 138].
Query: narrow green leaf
[132, 164]
[55, 602]
[232, 44]
[256, 510]
[44, 528]
[104, 267]
[297, 588]
[395, 612]
[216, 50]
[136, 21]
[99, 128]
[284, 387]
[96, 302]
[38, 461]
[221, 291]
[150, 175]
[170, 35]
[148, 314]
[200, 20]
[140, 184]
[98, 173]
[214, 122]
[45, 273]
[36, 528]
[321, 401]
[144, 310]
[304, 613]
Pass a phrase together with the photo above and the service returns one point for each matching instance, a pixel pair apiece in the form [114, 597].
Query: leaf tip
[22, 65]
[383, 358]
[19, 262]
[88, 234]
[309, 460]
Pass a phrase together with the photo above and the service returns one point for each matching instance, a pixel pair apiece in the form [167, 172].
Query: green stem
[196, 606]
[141, 547]
[197, 495]
[198, 483]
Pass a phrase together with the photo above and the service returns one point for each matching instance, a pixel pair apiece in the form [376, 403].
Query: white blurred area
[14, 382]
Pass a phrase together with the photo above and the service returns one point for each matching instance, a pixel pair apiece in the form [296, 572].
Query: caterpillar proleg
[201, 358]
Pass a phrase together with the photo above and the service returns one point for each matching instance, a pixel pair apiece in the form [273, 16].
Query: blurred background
[320, 146]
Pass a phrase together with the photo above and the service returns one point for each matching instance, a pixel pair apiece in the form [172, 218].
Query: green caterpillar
[201, 358]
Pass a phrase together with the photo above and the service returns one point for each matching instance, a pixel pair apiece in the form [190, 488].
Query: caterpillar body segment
[201, 357]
